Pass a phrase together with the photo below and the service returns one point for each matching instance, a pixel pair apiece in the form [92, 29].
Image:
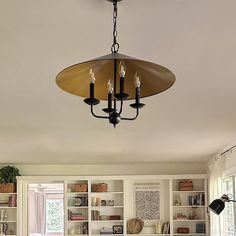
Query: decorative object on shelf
[110, 202]
[71, 231]
[79, 188]
[8, 180]
[85, 228]
[103, 202]
[99, 201]
[200, 228]
[79, 229]
[115, 217]
[177, 201]
[218, 205]
[12, 201]
[193, 215]
[81, 201]
[4, 229]
[182, 230]
[106, 230]
[104, 217]
[135, 226]
[158, 227]
[186, 185]
[117, 229]
[147, 201]
[3, 215]
[100, 187]
[155, 79]
[94, 201]
[181, 216]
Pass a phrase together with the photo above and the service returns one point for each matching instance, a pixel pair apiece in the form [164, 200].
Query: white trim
[41, 179]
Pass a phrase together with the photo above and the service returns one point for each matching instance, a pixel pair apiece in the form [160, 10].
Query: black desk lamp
[218, 205]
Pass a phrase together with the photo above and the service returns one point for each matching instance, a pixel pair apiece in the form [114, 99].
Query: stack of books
[95, 215]
[75, 215]
[197, 200]
[166, 228]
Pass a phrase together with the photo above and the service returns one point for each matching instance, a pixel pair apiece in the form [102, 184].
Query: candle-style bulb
[109, 87]
[91, 76]
[122, 69]
[137, 80]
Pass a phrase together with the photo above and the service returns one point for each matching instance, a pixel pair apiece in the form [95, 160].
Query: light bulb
[122, 69]
[91, 76]
[137, 80]
[109, 87]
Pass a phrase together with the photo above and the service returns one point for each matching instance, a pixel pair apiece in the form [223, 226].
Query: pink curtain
[37, 213]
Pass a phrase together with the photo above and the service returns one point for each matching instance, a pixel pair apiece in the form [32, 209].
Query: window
[54, 215]
[229, 216]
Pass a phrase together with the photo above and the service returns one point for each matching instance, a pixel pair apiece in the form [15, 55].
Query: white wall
[119, 169]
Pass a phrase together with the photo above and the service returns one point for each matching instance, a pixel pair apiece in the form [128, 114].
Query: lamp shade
[155, 78]
[217, 206]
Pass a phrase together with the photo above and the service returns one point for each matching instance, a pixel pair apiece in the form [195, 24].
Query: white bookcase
[10, 213]
[188, 208]
[76, 203]
[100, 210]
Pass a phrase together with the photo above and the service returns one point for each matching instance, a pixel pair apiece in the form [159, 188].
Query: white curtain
[216, 169]
[37, 213]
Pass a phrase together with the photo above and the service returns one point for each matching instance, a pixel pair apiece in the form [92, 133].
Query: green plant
[8, 174]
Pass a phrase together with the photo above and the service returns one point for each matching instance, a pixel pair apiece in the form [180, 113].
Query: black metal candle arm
[115, 117]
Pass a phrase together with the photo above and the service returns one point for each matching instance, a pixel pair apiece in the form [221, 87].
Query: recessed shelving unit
[8, 208]
[188, 206]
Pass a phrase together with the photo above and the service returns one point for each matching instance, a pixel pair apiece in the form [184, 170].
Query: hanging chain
[115, 46]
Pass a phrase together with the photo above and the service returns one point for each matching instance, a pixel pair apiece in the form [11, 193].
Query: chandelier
[115, 78]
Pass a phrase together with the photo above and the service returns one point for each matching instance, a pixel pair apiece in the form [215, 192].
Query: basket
[7, 188]
[186, 185]
[80, 188]
[101, 187]
[135, 226]
[182, 230]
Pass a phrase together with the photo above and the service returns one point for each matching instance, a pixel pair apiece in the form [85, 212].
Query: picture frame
[110, 202]
[103, 202]
[117, 229]
[148, 200]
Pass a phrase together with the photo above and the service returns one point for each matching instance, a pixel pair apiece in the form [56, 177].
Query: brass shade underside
[154, 78]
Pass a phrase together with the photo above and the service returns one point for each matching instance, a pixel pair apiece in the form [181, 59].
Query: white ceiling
[39, 123]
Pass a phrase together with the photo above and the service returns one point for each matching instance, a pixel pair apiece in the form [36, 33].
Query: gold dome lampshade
[115, 77]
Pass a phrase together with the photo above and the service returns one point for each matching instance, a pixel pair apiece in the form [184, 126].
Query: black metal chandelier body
[92, 80]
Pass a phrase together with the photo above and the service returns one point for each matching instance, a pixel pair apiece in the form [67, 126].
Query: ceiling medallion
[115, 78]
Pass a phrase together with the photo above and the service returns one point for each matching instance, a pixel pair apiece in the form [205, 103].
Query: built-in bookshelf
[188, 206]
[8, 213]
[108, 209]
[94, 211]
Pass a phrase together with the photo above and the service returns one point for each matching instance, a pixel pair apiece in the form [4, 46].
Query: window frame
[52, 197]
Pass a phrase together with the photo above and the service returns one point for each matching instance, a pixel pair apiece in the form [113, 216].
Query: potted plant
[8, 179]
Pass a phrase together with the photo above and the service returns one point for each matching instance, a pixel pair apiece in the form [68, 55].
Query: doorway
[45, 209]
